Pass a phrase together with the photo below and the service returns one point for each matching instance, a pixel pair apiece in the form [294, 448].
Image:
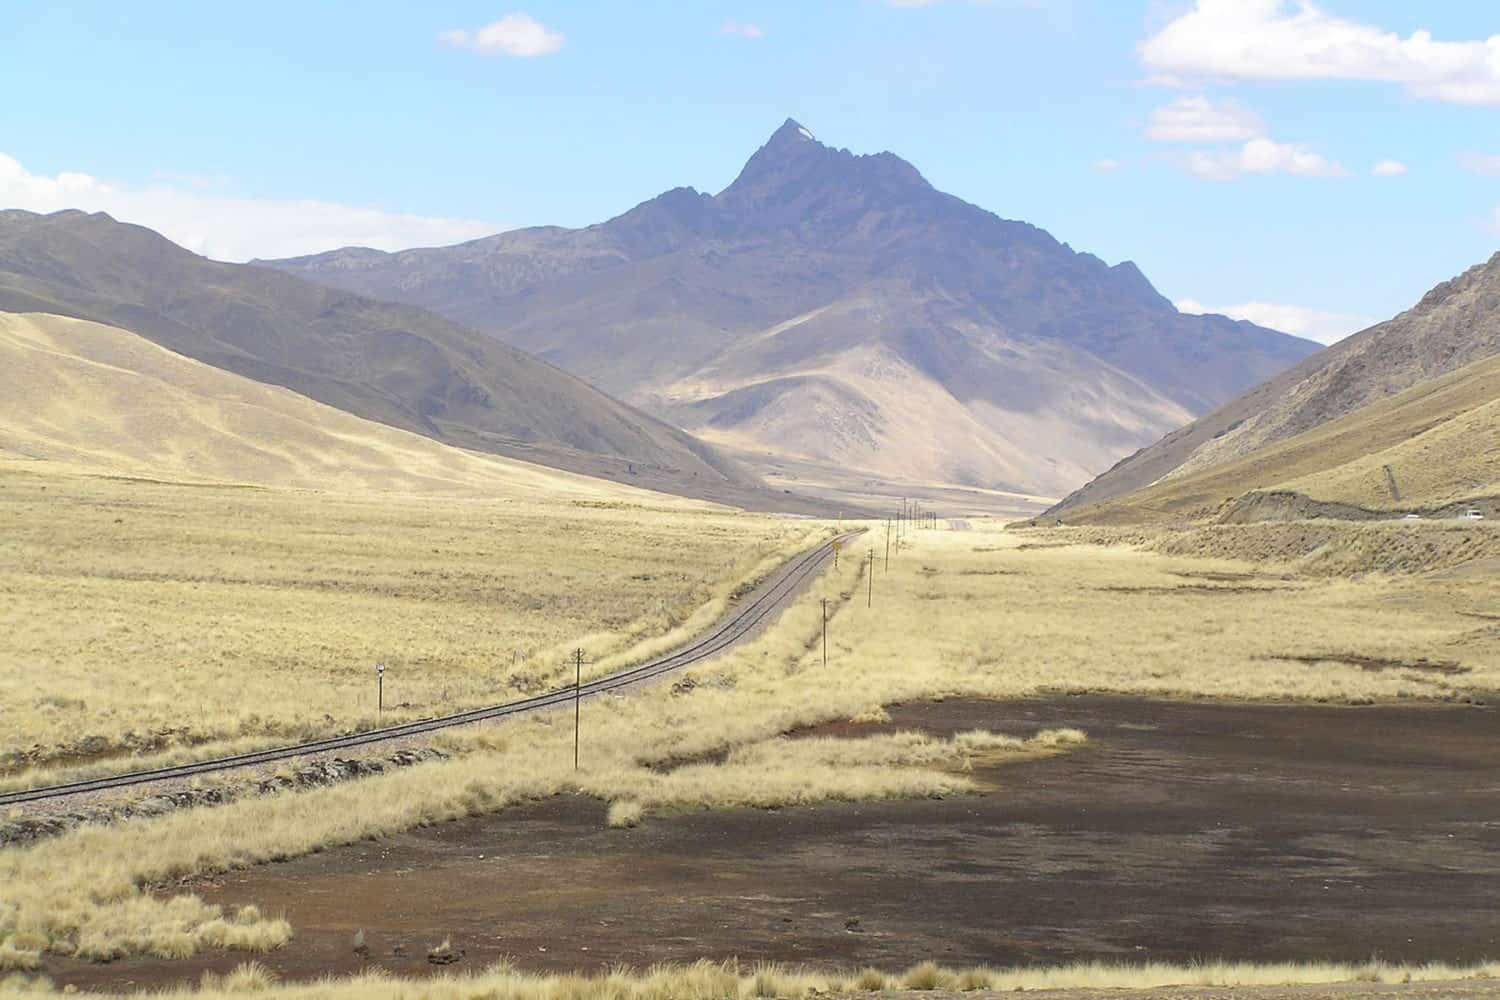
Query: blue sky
[1229, 147]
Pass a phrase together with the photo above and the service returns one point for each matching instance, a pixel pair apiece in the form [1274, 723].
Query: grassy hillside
[393, 364]
[1457, 323]
[96, 398]
[1437, 439]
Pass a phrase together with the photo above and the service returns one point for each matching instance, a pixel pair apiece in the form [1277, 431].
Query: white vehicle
[1412, 517]
[1472, 514]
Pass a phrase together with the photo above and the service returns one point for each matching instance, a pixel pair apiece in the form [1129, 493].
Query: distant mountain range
[837, 310]
[1210, 461]
[390, 363]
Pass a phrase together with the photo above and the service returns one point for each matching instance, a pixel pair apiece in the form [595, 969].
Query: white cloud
[1262, 157]
[1480, 163]
[1107, 166]
[519, 35]
[225, 227]
[1388, 168]
[1197, 119]
[1314, 324]
[742, 29]
[1281, 40]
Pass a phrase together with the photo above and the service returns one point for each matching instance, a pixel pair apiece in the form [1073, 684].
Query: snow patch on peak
[805, 133]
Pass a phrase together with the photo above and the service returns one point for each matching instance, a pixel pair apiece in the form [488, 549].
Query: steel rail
[725, 633]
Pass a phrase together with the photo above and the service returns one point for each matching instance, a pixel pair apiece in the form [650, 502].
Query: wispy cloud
[1281, 40]
[1388, 168]
[519, 35]
[1314, 324]
[1197, 119]
[1107, 166]
[225, 227]
[1261, 157]
[1487, 164]
[742, 29]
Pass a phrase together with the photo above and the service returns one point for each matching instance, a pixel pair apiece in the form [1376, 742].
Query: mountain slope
[838, 308]
[388, 363]
[1455, 324]
[1429, 448]
[97, 399]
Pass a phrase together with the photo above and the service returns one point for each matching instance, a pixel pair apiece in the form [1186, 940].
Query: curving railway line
[772, 596]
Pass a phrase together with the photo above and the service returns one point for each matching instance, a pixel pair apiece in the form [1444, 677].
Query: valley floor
[1136, 752]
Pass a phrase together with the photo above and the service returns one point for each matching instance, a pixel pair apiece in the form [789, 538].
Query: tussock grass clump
[624, 812]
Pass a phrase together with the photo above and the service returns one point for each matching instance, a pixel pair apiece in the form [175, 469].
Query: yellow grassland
[985, 613]
[152, 618]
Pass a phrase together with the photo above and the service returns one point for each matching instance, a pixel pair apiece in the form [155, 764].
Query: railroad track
[781, 585]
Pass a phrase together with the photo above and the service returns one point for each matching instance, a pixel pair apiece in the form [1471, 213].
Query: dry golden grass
[1455, 461]
[733, 981]
[982, 613]
[142, 617]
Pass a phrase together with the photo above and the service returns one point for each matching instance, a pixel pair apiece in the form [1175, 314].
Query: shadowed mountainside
[837, 309]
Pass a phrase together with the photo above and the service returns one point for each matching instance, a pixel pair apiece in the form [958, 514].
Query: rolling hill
[95, 399]
[1455, 324]
[1430, 449]
[388, 363]
[827, 309]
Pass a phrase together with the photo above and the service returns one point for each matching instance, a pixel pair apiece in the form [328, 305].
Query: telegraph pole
[379, 692]
[825, 631]
[577, 700]
[887, 544]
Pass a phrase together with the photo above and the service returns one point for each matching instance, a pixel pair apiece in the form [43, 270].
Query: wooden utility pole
[825, 631]
[379, 692]
[577, 700]
[887, 544]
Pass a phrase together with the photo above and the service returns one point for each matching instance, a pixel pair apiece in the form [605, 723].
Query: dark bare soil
[1184, 831]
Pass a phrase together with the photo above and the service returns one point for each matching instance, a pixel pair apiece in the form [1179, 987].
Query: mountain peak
[791, 131]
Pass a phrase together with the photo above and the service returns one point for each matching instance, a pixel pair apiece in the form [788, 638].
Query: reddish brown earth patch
[1185, 831]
